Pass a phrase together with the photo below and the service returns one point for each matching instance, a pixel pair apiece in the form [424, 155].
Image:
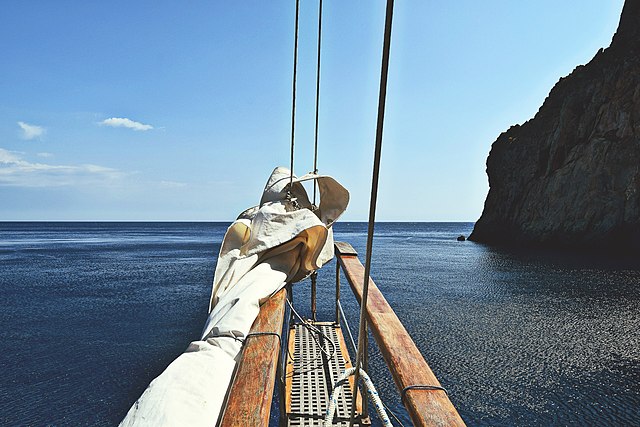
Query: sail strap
[362, 333]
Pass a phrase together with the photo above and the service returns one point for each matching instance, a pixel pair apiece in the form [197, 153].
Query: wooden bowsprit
[316, 354]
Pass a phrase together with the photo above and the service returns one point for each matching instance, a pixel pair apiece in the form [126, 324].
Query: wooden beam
[250, 394]
[404, 360]
[289, 370]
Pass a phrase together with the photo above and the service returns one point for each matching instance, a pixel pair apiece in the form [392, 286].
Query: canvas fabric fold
[282, 240]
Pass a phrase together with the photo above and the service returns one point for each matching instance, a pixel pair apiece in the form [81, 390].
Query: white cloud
[46, 155]
[17, 172]
[7, 157]
[31, 131]
[125, 123]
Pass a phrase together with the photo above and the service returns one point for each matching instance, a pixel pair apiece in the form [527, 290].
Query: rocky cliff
[571, 175]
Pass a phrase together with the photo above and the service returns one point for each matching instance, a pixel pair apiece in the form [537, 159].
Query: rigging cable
[315, 152]
[314, 275]
[373, 201]
[311, 328]
[293, 98]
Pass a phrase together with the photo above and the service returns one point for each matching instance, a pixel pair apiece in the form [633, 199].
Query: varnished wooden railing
[249, 397]
[407, 365]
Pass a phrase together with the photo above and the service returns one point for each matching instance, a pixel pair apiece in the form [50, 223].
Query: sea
[92, 312]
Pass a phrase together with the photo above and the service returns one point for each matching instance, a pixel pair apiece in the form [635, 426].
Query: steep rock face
[571, 175]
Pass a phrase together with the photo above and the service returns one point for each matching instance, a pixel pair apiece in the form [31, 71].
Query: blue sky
[180, 110]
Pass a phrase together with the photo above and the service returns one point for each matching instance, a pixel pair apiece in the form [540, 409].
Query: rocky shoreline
[570, 176]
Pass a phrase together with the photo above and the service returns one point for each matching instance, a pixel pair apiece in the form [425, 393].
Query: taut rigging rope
[293, 99]
[315, 152]
[374, 198]
[314, 275]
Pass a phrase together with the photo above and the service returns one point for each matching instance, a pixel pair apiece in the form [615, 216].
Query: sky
[179, 111]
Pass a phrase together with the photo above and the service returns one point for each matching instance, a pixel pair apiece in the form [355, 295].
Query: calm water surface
[92, 312]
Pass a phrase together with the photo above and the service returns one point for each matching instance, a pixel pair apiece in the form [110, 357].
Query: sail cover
[282, 240]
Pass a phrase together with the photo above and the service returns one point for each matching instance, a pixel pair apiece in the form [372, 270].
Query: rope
[404, 391]
[374, 194]
[315, 153]
[262, 334]
[314, 289]
[395, 417]
[311, 328]
[293, 100]
[371, 390]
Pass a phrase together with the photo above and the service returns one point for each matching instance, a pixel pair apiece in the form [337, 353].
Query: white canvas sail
[282, 240]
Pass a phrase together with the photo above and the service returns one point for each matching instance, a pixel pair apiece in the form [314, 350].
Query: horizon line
[215, 221]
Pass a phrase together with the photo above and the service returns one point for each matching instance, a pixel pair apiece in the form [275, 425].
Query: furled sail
[282, 240]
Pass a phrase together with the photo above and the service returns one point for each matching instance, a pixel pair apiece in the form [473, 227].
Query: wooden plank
[344, 248]
[404, 360]
[289, 369]
[251, 392]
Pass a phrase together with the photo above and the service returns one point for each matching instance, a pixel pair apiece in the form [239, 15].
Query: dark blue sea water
[92, 312]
